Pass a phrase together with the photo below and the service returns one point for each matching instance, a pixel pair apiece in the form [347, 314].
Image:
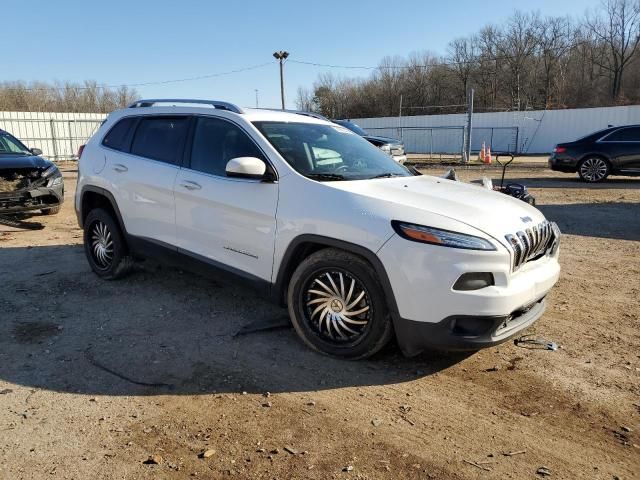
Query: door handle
[118, 167]
[189, 185]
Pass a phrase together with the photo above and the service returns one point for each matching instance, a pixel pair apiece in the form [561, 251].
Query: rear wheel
[594, 169]
[337, 305]
[105, 247]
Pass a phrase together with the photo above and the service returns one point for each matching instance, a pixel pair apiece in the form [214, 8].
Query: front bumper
[465, 332]
[400, 158]
[431, 314]
[27, 200]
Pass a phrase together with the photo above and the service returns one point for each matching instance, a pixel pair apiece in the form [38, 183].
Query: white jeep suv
[356, 245]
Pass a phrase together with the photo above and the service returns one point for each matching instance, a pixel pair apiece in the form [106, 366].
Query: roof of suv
[206, 106]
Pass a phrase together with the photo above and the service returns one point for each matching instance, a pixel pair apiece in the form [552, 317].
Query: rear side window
[119, 137]
[160, 138]
[631, 134]
[215, 142]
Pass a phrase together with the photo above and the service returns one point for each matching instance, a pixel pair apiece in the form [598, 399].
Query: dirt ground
[97, 376]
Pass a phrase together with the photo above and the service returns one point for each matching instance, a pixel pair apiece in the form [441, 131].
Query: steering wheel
[341, 168]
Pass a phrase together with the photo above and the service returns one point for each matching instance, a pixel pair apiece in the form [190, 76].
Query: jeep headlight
[438, 236]
[386, 148]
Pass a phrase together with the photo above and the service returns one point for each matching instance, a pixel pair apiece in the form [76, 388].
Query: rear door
[624, 147]
[143, 173]
[229, 222]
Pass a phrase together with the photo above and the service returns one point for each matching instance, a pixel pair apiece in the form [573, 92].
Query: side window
[217, 141]
[160, 138]
[119, 137]
[9, 144]
[631, 134]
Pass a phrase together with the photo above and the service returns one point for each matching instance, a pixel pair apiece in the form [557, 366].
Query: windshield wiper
[386, 175]
[325, 176]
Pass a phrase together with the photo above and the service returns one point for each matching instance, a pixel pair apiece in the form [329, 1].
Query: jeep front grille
[532, 243]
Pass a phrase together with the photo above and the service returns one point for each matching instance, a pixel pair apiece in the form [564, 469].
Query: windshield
[352, 126]
[329, 152]
[12, 146]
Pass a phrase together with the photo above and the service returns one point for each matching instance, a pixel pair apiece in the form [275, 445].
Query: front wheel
[594, 169]
[337, 305]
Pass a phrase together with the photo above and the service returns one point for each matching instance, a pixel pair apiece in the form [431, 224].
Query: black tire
[52, 210]
[344, 268]
[594, 169]
[110, 264]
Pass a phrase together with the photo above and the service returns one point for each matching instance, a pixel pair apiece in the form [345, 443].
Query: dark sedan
[612, 151]
[28, 182]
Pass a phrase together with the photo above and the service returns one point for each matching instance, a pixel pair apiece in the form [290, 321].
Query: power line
[442, 63]
[143, 84]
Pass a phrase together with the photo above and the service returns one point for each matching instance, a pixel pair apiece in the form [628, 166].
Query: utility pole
[281, 55]
[256, 97]
[467, 146]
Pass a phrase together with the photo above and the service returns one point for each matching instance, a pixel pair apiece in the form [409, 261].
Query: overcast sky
[127, 42]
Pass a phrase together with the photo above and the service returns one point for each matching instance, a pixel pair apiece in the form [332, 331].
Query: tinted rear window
[160, 138]
[119, 137]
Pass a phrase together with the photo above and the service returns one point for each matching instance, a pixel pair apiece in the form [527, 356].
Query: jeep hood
[493, 213]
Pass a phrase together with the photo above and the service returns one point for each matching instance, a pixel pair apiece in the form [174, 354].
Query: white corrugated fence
[58, 135]
[525, 132]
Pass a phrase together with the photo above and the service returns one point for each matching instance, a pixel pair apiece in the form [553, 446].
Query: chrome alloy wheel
[337, 306]
[101, 245]
[594, 169]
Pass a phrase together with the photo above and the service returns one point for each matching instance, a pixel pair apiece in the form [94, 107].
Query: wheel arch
[95, 197]
[304, 245]
[594, 155]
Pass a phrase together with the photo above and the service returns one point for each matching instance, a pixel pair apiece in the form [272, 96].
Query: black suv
[612, 151]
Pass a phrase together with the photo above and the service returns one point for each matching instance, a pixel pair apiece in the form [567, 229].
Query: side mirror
[246, 167]
[36, 151]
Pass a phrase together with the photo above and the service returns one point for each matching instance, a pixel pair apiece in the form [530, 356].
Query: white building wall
[538, 130]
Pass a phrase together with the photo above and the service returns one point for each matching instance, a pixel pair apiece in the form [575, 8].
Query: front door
[625, 149]
[229, 222]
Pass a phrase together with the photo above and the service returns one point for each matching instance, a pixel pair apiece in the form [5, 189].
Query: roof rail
[298, 112]
[214, 103]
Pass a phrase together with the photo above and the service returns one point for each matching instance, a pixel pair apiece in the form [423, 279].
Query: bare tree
[516, 45]
[305, 100]
[616, 30]
[555, 42]
[528, 62]
[67, 97]
[463, 55]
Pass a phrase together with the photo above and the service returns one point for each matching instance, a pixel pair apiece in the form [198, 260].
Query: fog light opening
[474, 281]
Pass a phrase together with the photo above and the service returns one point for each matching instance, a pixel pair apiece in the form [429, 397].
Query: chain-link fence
[58, 138]
[447, 142]
[499, 139]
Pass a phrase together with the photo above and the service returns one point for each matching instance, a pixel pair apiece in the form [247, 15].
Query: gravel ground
[96, 377]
